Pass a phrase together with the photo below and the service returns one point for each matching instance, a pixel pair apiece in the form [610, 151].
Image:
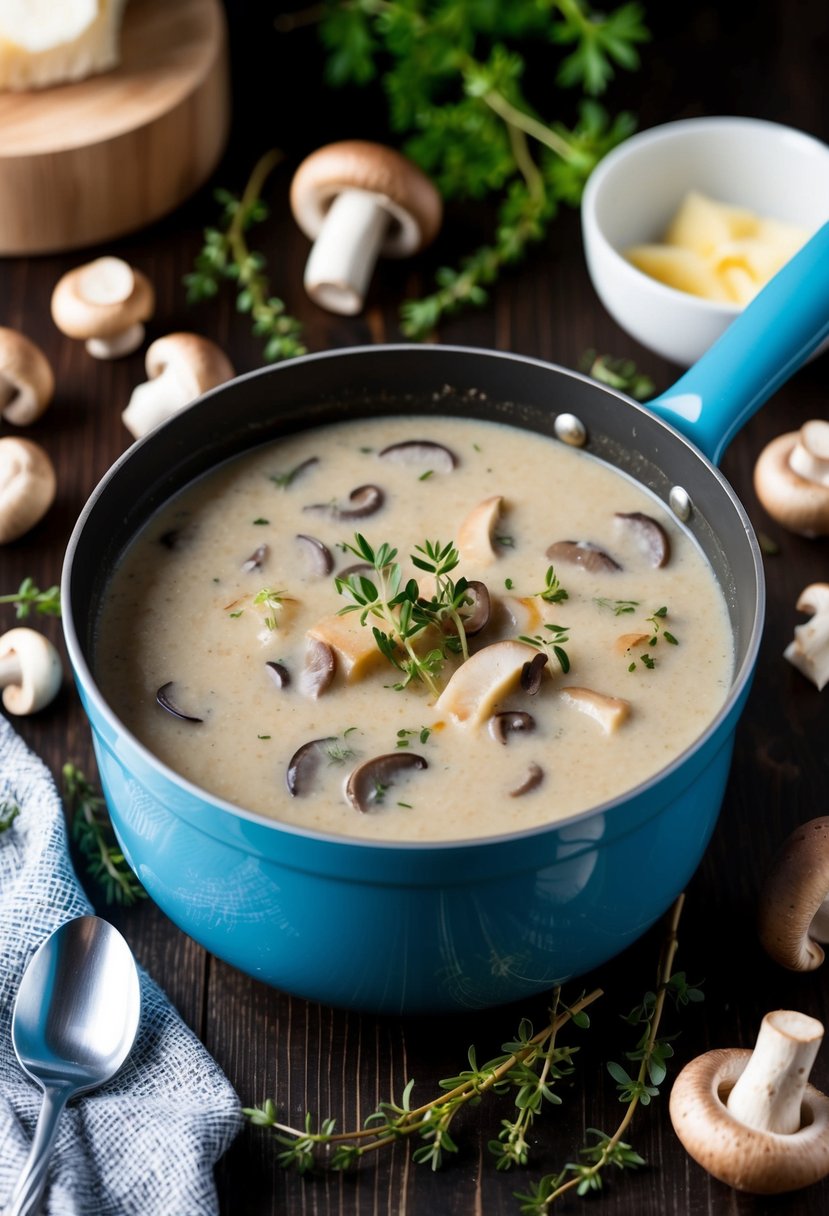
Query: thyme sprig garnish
[452, 75]
[403, 613]
[553, 592]
[339, 752]
[617, 607]
[405, 736]
[29, 597]
[530, 1065]
[650, 1052]
[656, 621]
[618, 373]
[560, 636]
[92, 830]
[226, 257]
[8, 813]
[271, 603]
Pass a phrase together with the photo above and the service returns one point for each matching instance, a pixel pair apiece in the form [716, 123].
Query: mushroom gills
[368, 784]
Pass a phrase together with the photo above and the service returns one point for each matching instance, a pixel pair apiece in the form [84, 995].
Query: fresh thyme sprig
[8, 813]
[553, 592]
[29, 596]
[339, 752]
[655, 620]
[650, 1052]
[452, 76]
[404, 736]
[404, 614]
[271, 603]
[617, 607]
[92, 830]
[529, 1066]
[225, 256]
[618, 373]
[552, 645]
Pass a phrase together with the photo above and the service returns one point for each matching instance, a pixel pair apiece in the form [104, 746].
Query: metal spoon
[74, 1023]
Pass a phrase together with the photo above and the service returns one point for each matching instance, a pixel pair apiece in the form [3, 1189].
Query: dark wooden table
[704, 60]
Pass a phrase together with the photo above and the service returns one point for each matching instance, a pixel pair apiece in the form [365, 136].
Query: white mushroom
[483, 681]
[791, 478]
[27, 383]
[751, 1118]
[30, 671]
[793, 911]
[357, 200]
[476, 532]
[609, 712]
[180, 368]
[809, 651]
[27, 486]
[104, 303]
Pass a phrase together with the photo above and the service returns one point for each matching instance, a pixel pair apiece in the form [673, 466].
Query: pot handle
[759, 351]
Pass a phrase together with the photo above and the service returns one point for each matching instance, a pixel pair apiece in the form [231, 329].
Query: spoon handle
[32, 1181]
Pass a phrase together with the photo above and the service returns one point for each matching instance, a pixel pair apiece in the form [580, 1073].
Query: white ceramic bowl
[634, 192]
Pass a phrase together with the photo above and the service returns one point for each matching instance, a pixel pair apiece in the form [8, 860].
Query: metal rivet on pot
[680, 503]
[570, 429]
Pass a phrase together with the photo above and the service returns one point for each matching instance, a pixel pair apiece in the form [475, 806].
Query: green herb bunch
[453, 72]
[403, 613]
[225, 256]
[92, 830]
[29, 597]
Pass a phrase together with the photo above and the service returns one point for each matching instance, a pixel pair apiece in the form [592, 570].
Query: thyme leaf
[92, 830]
[29, 597]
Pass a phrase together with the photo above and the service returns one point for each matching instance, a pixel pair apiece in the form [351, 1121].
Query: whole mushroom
[27, 383]
[793, 912]
[27, 486]
[357, 200]
[750, 1118]
[105, 304]
[30, 671]
[180, 368]
[791, 478]
[809, 650]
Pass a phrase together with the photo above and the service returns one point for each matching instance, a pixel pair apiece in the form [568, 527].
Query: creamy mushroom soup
[597, 638]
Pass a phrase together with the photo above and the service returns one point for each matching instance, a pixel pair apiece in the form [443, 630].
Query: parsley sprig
[452, 74]
[403, 613]
[29, 597]
[92, 830]
[225, 256]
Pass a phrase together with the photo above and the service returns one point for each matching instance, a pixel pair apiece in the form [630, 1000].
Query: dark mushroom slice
[476, 616]
[509, 722]
[257, 559]
[279, 674]
[584, 554]
[163, 699]
[303, 765]
[357, 568]
[317, 554]
[369, 781]
[287, 479]
[318, 672]
[532, 672]
[534, 777]
[421, 453]
[365, 501]
[650, 536]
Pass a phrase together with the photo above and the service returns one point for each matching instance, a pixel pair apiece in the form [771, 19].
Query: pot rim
[84, 676]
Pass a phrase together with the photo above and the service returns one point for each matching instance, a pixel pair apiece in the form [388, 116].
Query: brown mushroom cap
[798, 503]
[30, 671]
[101, 299]
[794, 891]
[199, 364]
[759, 1162]
[27, 383]
[27, 486]
[399, 185]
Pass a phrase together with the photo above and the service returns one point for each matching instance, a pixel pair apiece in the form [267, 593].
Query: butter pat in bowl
[684, 223]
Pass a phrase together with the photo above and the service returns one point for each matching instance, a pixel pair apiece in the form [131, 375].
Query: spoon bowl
[75, 1020]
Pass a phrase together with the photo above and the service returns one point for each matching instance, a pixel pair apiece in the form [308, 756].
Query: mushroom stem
[154, 401]
[343, 257]
[768, 1094]
[116, 345]
[11, 671]
[810, 455]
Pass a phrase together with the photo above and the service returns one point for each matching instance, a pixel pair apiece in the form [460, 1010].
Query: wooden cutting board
[82, 163]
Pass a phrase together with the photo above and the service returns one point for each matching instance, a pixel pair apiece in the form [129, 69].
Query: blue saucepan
[461, 925]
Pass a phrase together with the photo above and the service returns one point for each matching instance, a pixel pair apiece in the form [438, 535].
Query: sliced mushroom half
[366, 786]
[584, 554]
[476, 615]
[257, 559]
[279, 674]
[365, 500]
[532, 673]
[317, 555]
[510, 722]
[421, 454]
[476, 532]
[318, 671]
[303, 765]
[534, 777]
[609, 712]
[483, 680]
[651, 538]
[163, 699]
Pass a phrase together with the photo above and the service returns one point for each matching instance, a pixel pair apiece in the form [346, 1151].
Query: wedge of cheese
[48, 42]
[718, 251]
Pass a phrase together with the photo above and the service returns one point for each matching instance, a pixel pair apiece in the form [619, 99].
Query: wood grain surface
[704, 59]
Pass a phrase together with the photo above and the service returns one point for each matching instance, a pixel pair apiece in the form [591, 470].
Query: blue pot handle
[759, 351]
